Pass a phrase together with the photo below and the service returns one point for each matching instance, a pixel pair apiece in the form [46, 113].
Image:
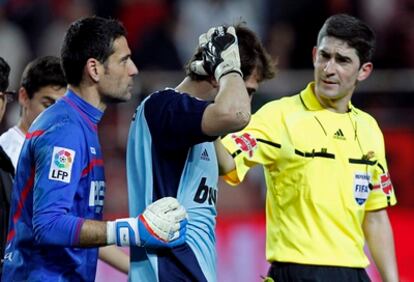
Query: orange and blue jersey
[169, 155]
[59, 183]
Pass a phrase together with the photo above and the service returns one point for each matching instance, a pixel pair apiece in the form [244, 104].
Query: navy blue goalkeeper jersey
[59, 183]
[169, 155]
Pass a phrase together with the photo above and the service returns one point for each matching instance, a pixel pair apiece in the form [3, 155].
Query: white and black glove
[161, 225]
[220, 51]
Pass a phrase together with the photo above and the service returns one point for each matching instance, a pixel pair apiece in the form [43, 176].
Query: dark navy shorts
[291, 272]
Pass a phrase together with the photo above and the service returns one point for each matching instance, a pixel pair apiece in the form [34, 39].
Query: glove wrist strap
[123, 232]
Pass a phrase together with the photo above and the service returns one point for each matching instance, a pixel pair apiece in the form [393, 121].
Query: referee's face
[337, 71]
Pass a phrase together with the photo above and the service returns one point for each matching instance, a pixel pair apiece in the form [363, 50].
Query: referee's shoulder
[286, 102]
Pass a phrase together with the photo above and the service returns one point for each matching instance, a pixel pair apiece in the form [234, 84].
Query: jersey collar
[310, 102]
[87, 111]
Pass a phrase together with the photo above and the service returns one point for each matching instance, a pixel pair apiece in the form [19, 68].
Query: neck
[23, 125]
[90, 94]
[203, 90]
[337, 106]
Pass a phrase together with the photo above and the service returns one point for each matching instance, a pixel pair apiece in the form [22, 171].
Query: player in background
[171, 147]
[6, 166]
[327, 180]
[42, 84]
[57, 199]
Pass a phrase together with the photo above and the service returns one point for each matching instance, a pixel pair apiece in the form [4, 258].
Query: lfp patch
[61, 164]
[361, 187]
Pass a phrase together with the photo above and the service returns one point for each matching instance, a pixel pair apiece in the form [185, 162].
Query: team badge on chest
[361, 187]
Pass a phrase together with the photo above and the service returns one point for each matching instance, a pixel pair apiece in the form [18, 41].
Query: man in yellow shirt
[325, 168]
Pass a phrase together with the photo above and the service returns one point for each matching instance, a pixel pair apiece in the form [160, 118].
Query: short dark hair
[41, 72]
[252, 55]
[353, 31]
[4, 75]
[90, 37]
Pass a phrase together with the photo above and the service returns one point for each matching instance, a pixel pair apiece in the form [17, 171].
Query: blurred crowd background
[163, 34]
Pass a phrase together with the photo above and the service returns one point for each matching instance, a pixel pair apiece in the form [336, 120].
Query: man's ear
[365, 71]
[92, 68]
[23, 97]
[214, 82]
[314, 52]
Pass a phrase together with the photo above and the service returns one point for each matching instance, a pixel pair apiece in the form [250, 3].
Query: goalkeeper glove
[220, 53]
[162, 224]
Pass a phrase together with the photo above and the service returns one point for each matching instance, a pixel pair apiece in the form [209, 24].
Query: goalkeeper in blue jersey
[171, 150]
[57, 199]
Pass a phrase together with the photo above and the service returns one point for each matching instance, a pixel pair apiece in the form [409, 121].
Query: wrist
[110, 233]
[224, 70]
[232, 73]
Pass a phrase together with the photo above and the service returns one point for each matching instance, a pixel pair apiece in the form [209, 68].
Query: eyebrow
[337, 55]
[126, 57]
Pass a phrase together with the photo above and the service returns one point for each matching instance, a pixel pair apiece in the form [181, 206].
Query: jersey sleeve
[258, 143]
[382, 191]
[174, 120]
[58, 156]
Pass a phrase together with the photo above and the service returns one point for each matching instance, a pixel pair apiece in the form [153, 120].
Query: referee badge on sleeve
[61, 164]
[361, 187]
[386, 184]
[246, 143]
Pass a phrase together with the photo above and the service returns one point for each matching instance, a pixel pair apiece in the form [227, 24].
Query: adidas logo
[339, 135]
[204, 155]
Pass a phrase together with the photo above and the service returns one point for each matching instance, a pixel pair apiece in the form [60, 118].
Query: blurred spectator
[13, 47]
[280, 42]
[400, 39]
[32, 16]
[139, 16]
[198, 15]
[105, 9]
[297, 26]
[156, 50]
[66, 11]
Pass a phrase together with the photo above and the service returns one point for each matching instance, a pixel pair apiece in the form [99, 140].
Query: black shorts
[291, 272]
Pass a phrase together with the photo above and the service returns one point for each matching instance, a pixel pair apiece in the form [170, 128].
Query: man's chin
[116, 100]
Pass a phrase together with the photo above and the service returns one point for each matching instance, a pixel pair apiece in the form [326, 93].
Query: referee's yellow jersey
[323, 170]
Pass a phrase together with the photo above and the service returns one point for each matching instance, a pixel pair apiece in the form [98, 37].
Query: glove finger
[178, 214]
[198, 68]
[211, 31]
[171, 204]
[232, 31]
[202, 40]
[163, 205]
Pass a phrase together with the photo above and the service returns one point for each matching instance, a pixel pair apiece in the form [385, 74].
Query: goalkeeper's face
[117, 80]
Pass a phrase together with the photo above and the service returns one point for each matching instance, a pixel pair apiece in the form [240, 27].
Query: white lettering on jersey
[61, 164]
[97, 195]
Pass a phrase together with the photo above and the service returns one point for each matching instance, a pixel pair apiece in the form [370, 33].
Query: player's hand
[220, 53]
[162, 224]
